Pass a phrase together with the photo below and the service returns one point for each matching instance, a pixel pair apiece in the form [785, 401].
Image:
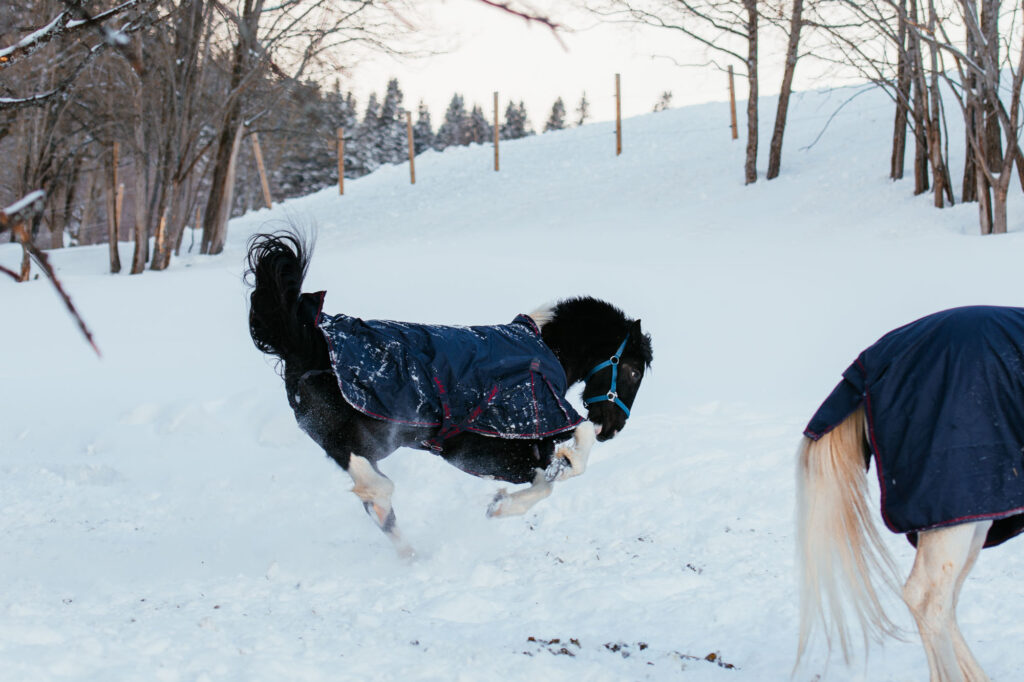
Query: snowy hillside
[162, 517]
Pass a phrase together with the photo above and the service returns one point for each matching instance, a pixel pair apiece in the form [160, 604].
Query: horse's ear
[636, 327]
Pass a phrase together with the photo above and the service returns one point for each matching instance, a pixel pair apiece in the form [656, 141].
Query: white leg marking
[370, 486]
[944, 557]
[578, 454]
[968, 664]
[375, 489]
[519, 502]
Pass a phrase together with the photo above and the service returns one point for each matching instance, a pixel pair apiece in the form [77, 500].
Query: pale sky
[491, 50]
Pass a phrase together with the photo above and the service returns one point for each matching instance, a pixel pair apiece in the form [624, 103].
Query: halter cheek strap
[612, 396]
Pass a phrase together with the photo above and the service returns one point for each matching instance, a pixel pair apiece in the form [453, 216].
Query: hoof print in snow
[619, 648]
[714, 657]
[554, 646]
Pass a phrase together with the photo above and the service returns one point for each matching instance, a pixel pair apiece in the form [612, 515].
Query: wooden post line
[618, 117]
[118, 205]
[341, 161]
[118, 189]
[262, 169]
[732, 104]
[412, 148]
[495, 131]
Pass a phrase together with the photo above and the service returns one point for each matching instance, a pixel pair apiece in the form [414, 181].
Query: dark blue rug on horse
[499, 380]
[944, 398]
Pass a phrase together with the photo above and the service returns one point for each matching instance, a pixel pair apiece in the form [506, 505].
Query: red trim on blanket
[536, 409]
[995, 516]
[530, 322]
[320, 310]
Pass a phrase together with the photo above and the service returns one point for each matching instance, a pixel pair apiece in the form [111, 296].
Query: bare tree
[796, 25]
[882, 39]
[15, 218]
[282, 39]
[724, 27]
[42, 101]
[993, 122]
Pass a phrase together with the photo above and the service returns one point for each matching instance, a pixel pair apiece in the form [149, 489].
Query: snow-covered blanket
[501, 380]
[944, 398]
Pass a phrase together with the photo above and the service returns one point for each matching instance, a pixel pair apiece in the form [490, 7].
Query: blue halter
[612, 396]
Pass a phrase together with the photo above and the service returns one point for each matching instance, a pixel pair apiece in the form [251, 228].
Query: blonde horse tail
[841, 553]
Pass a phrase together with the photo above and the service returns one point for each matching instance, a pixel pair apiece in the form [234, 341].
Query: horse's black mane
[592, 328]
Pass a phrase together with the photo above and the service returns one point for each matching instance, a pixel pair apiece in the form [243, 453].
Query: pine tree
[582, 110]
[455, 127]
[516, 123]
[422, 131]
[664, 102]
[527, 128]
[365, 150]
[391, 126]
[556, 121]
[480, 131]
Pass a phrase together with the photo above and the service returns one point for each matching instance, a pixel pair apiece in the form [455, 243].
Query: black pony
[513, 427]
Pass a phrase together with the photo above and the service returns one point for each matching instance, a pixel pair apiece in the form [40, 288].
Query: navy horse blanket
[944, 398]
[500, 380]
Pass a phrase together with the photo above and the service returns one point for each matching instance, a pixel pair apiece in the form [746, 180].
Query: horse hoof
[494, 508]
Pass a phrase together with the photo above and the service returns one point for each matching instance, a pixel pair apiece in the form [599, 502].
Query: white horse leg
[519, 502]
[576, 455]
[567, 462]
[968, 664]
[374, 489]
[944, 556]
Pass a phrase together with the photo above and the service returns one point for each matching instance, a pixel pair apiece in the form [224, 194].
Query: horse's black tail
[278, 323]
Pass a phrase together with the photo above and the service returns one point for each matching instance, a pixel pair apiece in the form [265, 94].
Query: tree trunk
[89, 208]
[141, 233]
[26, 265]
[899, 133]
[990, 29]
[218, 205]
[984, 201]
[113, 228]
[998, 210]
[792, 53]
[920, 110]
[172, 226]
[938, 162]
[972, 118]
[750, 168]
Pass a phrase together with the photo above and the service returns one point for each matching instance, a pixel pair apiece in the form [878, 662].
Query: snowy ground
[162, 518]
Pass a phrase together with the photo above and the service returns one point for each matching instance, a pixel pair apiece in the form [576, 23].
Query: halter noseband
[612, 396]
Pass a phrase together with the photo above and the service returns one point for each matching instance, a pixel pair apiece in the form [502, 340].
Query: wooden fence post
[732, 104]
[261, 168]
[119, 205]
[412, 148]
[341, 161]
[496, 131]
[618, 117]
[114, 211]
